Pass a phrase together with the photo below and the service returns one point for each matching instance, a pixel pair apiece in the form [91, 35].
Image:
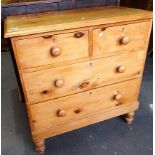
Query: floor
[111, 137]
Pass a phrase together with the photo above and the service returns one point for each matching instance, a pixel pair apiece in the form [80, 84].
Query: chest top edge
[70, 19]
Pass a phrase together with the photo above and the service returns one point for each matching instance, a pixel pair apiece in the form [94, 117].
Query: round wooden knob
[55, 51]
[118, 97]
[125, 40]
[121, 69]
[59, 82]
[61, 112]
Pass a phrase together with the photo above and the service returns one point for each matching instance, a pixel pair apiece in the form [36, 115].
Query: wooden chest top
[55, 21]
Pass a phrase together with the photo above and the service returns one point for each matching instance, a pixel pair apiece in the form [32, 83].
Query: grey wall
[46, 6]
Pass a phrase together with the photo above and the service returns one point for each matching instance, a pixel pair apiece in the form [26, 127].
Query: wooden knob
[118, 97]
[59, 82]
[121, 69]
[55, 51]
[78, 35]
[125, 40]
[61, 112]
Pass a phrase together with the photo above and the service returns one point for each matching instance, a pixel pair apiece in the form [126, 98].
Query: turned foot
[129, 117]
[40, 146]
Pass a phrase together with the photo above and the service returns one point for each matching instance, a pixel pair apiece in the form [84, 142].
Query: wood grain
[98, 117]
[71, 80]
[40, 85]
[54, 21]
[107, 41]
[82, 105]
[34, 52]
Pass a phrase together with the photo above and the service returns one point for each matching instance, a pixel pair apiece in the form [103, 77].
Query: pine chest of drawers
[79, 67]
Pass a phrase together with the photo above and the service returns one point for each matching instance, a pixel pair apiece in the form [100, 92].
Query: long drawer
[70, 108]
[51, 49]
[57, 82]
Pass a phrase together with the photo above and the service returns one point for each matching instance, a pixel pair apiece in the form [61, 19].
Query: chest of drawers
[79, 67]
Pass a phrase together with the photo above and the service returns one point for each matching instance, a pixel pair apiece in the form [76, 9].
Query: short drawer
[52, 49]
[71, 108]
[61, 81]
[117, 39]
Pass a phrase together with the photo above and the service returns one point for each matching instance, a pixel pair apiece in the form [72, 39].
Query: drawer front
[113, 40]
[53, 83]
[70, 108]
[52, 49]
